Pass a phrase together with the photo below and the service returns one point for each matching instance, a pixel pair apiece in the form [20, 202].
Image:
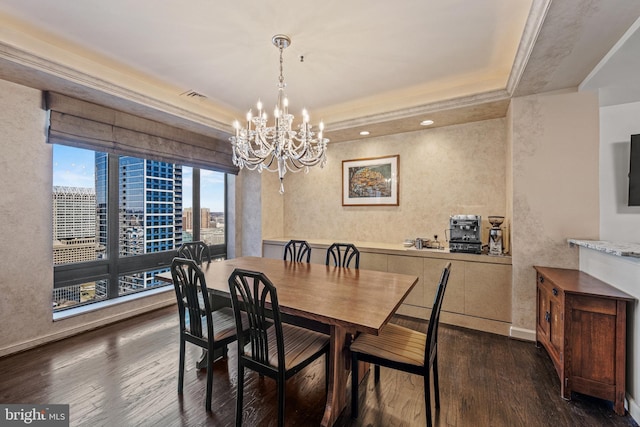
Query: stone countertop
[612, 248]
[399, 249]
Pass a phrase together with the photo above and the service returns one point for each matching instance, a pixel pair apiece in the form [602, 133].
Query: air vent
[193, 94]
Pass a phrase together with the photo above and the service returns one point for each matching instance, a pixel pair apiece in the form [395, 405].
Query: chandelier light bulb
[278, 147]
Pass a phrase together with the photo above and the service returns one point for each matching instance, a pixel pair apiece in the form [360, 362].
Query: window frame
[114, 265]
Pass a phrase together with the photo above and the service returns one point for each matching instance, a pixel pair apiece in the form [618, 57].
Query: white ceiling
[378, 65]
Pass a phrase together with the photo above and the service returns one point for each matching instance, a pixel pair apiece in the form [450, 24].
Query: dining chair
[197, 320]
[297, 250]
[342, 254]
[197, 250]
[403, 349]
[272, 348]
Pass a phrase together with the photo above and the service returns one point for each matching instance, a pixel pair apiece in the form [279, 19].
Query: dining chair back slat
[297, 250]
[197, 250]
[342, 254]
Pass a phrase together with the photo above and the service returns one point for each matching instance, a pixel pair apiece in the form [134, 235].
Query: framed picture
[370, 182]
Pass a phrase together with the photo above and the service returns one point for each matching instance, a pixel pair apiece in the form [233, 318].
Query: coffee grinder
[495, 235]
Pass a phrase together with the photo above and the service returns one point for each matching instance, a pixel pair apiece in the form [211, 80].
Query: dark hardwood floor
[126, 375]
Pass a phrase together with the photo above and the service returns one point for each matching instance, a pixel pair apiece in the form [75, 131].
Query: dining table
[346, 300]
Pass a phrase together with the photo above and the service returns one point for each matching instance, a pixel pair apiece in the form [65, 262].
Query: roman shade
[91, 126]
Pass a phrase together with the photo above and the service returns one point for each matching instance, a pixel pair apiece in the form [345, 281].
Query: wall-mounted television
[634, 171]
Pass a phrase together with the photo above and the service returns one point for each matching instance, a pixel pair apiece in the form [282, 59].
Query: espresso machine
[495, 235]
[464, 234]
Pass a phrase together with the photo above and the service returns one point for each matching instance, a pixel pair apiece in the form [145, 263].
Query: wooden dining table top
[357, 300]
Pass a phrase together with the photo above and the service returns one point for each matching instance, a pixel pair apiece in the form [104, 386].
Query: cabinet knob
[555, 291]
[547, 316]
[541, 279]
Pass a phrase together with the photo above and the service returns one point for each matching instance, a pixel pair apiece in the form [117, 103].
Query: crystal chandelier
[278, 147]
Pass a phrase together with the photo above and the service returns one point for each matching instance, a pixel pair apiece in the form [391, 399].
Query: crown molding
[449, 104]
[535, 20]
[36, 71]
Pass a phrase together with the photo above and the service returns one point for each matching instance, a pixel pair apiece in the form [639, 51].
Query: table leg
[217, 353]
[338, 377]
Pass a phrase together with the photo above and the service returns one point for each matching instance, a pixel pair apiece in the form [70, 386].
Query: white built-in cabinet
[478, 294]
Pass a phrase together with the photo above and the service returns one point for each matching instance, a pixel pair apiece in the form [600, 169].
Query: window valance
[87, 125]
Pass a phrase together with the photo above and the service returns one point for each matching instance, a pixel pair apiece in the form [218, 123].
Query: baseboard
[633, 408]
[522, 334]
[456, 319]
[84, 327]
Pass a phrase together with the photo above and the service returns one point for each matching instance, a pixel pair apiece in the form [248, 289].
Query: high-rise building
[74, 224]
[205, 218]
[150, 211]
[74, 239]
[187, 218]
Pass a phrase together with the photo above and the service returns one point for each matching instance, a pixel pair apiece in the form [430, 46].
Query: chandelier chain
[281, 79]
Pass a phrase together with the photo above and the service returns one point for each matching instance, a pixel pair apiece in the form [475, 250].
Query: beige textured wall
[273, 205]
[443, 171]
[26, 276]
[555, 187]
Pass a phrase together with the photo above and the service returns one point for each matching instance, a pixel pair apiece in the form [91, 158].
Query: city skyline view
[154, 212]
[74, 167]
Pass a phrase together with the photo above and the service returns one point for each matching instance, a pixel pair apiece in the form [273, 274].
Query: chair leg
[376, 374]
[281, 387]
[209, 380]
[239, 392]
[354, 385]
[326, 372]
[181, 366]
[427, 396]
[436, 388]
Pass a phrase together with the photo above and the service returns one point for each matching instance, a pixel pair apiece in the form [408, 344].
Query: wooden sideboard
[479, 290]
[581, 322]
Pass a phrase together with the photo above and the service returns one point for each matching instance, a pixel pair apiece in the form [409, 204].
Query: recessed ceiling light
[426, 122]
[364, 133]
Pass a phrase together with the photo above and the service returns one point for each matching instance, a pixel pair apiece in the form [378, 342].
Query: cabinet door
[488, 291]
[373, 261]
[556, 324]
[272, 251]
[550, 320]
[453, 301]
[544, 314]
[414, 267]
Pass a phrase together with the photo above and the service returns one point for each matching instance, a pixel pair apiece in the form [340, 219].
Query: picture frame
[371, 181]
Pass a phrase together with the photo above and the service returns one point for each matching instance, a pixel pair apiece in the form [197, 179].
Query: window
[212, 222]
[75, 224]
[204, 192]
[117, 221]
